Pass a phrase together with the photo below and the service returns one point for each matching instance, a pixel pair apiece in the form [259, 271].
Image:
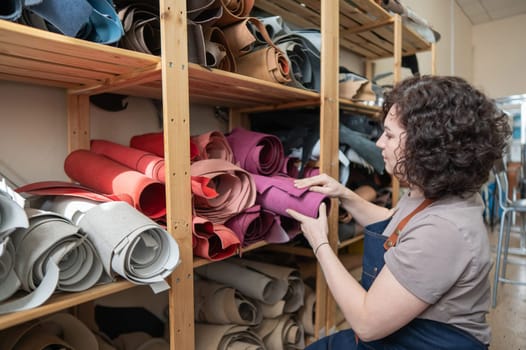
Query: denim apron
[419, 334]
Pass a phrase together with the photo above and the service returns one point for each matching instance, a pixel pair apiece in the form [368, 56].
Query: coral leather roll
[213, 145]
[258, 153]
[144, 162]
[278, 193]
[107, 176]
[235, 187]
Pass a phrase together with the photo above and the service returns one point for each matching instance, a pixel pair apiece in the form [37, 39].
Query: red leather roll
[144, 162]
[107, 176]
[213, 241]
[154, 143]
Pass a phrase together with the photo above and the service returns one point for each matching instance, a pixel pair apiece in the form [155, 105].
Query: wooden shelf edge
[201, 261]
[61, 301]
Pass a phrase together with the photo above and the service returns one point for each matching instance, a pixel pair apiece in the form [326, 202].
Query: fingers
[310, 181]
[296, 215]
[322, 212]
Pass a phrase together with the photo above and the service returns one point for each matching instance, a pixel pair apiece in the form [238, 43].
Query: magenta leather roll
[256, 152]
[154, 143]
[144, 162]
[251, 225]
[213, 241]
[277, 193]
[107, 176]
[235, 187]
[213, 145]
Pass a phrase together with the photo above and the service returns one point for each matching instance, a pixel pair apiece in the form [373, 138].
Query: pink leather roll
[235, 187]
[213, 241]
[256, 152]
[213, 145]
[154, 143]
[277, 193]
[107, 176]
[144, 162]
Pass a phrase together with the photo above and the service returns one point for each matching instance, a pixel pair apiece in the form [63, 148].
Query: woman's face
[392, 140]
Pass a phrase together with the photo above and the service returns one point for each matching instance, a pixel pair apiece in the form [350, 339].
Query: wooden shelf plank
[61, 301]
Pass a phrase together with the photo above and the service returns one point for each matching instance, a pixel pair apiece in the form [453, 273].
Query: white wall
[33, 130]
[453, 56]
[499, 56]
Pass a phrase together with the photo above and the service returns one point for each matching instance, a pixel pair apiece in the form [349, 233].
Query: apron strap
[393, 238]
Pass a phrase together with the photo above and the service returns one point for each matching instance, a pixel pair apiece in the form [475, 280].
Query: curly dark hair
[454, 134]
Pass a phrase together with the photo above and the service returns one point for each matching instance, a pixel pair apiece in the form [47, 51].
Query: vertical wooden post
[329, 140]
[397, 76]
[78, 115]
[176, 124]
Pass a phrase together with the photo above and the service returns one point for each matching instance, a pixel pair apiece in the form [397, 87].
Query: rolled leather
[267, 63]
[107, 176]
[221, 304]
[234, 185]
[226, 337]
[213, 241]
[234, 11]
[256, 152]
[213, 145]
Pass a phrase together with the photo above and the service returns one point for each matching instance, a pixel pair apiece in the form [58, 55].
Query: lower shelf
[61, 301]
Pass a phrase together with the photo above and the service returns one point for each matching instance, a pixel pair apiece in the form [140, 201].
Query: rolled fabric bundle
[291, 167]
[11, 10]
[213, 241]
[306, 313]
[250, 283]
[255, 224]
[220, 304]
[12, 216]
[302, 49]
[51, 254]
[154, 143]
[58, 331]
[130, 244]
[213, 145]
[142, 27]
[266, 63]
[234, 11]
[296, 287]
[144, 162]
[283, 332]
[235, 187]
[218, 53]
[107, 176]
[278, 193]
[256, 152]
[204, 12]
[239, 37]
[63, 188]
[226, 337]
[9, 282]
[140, 341]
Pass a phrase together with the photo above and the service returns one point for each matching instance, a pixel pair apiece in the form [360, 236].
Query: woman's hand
[314, 229]
[322, 183]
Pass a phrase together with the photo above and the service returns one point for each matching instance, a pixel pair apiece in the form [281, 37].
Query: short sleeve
[429, 258]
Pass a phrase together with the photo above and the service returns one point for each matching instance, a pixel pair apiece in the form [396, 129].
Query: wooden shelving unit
[83, 68]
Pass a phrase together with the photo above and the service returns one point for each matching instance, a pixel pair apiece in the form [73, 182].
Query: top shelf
[366, 29]
[34, 56]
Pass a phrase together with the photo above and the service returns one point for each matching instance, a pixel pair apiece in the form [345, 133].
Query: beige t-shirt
[443, 258]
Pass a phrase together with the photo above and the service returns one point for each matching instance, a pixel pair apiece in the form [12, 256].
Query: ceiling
[482, 11]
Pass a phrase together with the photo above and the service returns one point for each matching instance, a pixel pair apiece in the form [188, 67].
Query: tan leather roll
[267, 63]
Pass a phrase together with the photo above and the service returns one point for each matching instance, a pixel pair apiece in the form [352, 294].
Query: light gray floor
[508, 318]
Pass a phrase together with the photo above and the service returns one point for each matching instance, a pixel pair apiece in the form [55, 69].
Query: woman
[441, 137]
